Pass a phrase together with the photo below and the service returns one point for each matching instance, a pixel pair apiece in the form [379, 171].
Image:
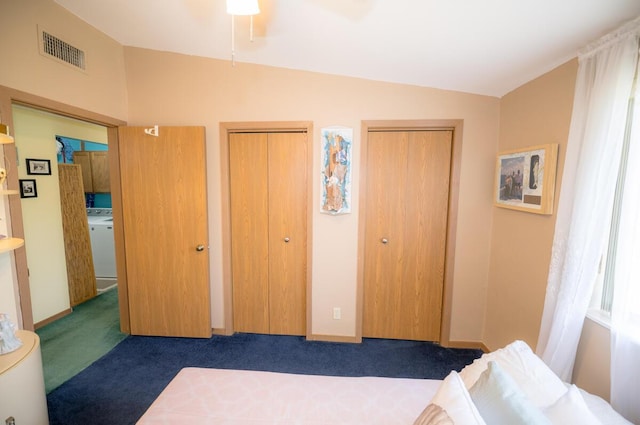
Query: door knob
[286, 240]
[200, 248]
[384, 240]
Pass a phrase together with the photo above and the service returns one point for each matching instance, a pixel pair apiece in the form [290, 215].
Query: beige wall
[172, 89]
[536, 113]
[592, 370]
[35, 133]
[100, 89]
[539, 112]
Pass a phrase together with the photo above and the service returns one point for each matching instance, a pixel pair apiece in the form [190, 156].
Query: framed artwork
[525, 179]
[38, 166]
[336, 170]
[28, 188]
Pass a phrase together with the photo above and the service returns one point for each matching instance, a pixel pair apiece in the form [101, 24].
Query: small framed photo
[525, 179]
[38, 166]
[28, 188]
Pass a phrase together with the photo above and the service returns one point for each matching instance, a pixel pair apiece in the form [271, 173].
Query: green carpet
[73, 342]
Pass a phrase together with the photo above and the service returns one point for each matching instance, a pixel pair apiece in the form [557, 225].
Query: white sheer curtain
[603, 87]
[625, 310]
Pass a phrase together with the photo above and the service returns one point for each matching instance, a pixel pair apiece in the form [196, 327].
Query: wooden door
[287, 233]
[250, 230]
[268, 185]
[407, 198]
[164, 203]
[77, 242]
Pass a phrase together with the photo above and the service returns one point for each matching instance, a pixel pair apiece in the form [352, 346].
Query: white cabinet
[22, 394]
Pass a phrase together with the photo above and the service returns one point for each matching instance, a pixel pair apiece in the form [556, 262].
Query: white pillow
[454, 398]
[571, 409]
[500, 401]
[539, 384]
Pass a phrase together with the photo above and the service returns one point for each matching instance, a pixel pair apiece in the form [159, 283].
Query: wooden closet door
[405, 236]
[287, 233]
[268, 185]
[250, 231]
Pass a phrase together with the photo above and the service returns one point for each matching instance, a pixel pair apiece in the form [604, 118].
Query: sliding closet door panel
[384, 240]
[426, 206]
[287, 232]
[250, 230]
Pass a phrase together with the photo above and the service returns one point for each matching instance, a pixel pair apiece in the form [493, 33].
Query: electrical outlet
[10, 421]
[337, 314]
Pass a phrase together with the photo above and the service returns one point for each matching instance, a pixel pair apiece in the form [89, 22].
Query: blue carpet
[119, 387]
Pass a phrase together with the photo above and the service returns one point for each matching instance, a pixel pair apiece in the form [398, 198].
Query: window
[605, 284]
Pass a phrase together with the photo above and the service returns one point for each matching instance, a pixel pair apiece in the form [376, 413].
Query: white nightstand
[22, 394]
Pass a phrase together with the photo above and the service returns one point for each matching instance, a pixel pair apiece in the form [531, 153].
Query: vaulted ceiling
[487, 47]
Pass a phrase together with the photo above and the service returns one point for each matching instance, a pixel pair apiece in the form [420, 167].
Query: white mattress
[216, 396]
[199, 396]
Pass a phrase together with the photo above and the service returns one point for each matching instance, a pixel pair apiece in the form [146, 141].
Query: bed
[507, 382]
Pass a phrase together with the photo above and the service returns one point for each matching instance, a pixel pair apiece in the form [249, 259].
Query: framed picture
[28, 189]
[38, 166]
[526, 178]
[336, 170]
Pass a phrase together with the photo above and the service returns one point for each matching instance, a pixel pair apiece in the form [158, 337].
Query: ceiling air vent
[53, 46]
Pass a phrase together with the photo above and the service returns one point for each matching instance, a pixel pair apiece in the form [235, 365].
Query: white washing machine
[102, 243]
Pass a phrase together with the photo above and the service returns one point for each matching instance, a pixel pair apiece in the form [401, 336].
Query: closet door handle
[286, 240]
[384, 241]
[200, 248]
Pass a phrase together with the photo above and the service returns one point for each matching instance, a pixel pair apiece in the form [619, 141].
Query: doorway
[58, 247]
[54, 360]
[8, 98]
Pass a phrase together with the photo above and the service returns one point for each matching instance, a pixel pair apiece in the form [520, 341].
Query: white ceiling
[486, 47]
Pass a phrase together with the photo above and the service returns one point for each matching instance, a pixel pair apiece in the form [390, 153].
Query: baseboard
[334, 338]
[53, 318]
[221, 332]
[475, 345]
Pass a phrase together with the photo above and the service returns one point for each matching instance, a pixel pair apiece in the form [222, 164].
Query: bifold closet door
[268, 232]
[249, 231]
[407, 196]
[287, 233]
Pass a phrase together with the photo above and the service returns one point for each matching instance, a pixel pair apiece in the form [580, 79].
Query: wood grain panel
[407, 199]
[77, 242]
[164, 196]
[384, 262]
[83, 159]
[287, 233]
[426, 211]
[100, 172]
[250, 230]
